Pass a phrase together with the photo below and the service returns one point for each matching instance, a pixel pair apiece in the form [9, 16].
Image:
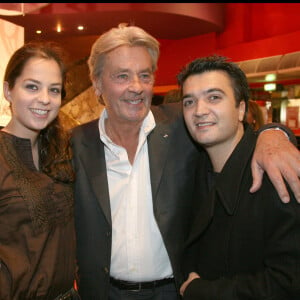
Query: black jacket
[243, 245]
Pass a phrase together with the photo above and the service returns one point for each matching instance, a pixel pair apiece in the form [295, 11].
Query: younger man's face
[210, 111]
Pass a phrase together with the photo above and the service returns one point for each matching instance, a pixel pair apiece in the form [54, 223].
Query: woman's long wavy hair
[54, 141]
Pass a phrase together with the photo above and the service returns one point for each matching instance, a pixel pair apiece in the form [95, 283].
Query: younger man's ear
[242, 110]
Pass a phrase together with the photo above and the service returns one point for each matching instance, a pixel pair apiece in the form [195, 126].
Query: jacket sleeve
[282, 127]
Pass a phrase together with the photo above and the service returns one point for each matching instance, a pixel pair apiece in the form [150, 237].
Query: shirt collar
[147, 125]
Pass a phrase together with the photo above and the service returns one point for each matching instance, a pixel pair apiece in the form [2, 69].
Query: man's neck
[126, 136]
[220, 153]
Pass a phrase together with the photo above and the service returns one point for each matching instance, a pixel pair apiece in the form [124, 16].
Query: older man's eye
[122, 78]
[146, 77]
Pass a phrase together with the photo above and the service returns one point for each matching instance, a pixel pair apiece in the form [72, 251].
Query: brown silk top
[37, 238]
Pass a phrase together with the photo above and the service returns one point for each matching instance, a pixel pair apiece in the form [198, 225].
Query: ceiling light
[58, 28]
[270, 77]
[270, 87]
[80, 27]
[38, 31]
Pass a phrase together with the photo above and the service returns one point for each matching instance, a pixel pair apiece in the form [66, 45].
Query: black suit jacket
[173, 160]
[243, 245]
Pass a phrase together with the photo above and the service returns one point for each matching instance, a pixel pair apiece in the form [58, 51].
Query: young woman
[37, 241]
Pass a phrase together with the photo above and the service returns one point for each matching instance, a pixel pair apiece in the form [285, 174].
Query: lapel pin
[166, 135]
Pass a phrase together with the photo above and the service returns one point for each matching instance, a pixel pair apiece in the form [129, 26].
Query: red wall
[252, 30]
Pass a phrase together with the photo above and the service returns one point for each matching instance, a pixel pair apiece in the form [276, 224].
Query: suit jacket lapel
[160, 139]
[93, 159]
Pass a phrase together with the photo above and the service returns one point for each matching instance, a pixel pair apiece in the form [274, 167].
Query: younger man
[246, 246]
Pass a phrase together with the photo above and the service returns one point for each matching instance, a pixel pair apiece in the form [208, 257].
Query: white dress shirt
[138, 251]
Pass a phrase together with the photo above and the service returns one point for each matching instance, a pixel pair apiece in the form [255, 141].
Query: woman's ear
[6, 91]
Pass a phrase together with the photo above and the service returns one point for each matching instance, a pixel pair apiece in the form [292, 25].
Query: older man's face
[126, 84]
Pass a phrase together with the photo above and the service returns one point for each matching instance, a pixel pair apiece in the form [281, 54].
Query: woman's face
[35, 99]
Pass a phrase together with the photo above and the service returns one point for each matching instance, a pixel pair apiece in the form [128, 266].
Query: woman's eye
[55, 90]
[31, 87]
